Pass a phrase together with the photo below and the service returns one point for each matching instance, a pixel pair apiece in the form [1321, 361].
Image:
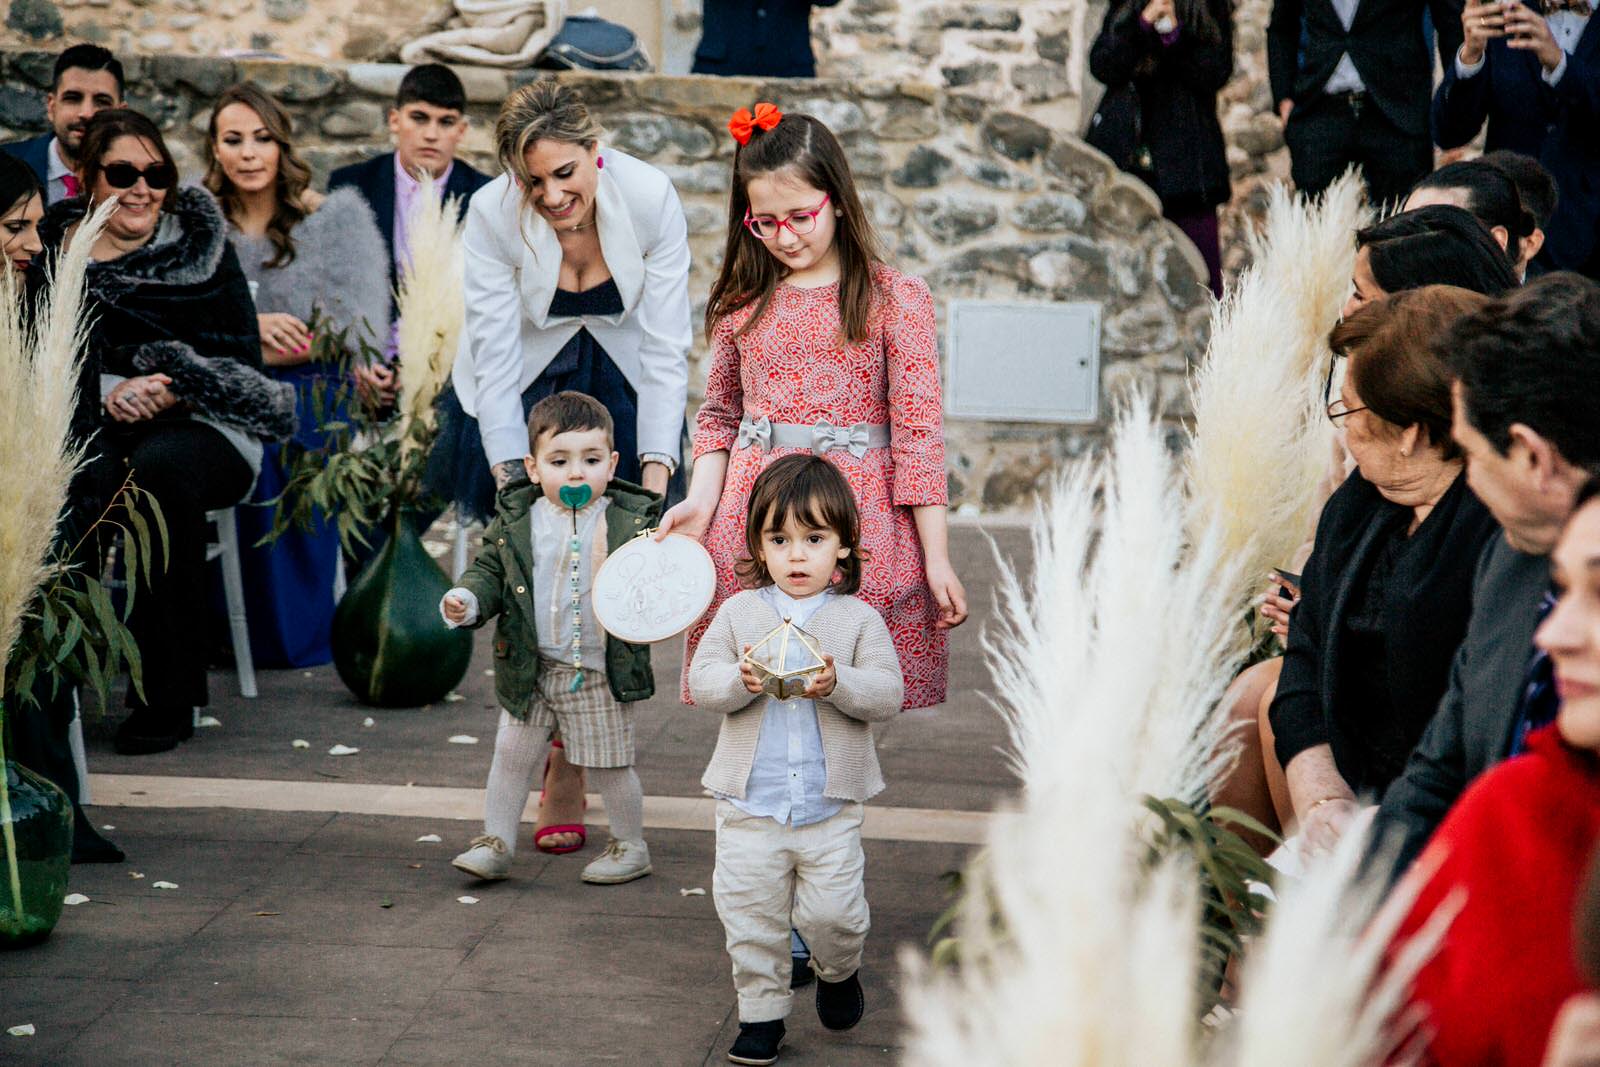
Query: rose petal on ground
[369, 721]
[489, 673]
[25, 1030]
[695, 892]
[342, 750]
[163, 885]
[136, 875]
[463, 739]
[451, 698]
[301, 743]
[209, 720]
[466, 900]
[72, 900]
[108, 827]
[430, 839]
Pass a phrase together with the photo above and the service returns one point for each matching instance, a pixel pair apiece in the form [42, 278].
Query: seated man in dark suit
[1534, 75]
[428, 121]
[765, 39]
[86, 79]
[1352, 80]
[1527, 416]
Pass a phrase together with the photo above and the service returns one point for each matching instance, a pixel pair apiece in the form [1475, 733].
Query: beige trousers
[770, 877]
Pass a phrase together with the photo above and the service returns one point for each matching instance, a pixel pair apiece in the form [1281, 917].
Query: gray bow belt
[761, 432]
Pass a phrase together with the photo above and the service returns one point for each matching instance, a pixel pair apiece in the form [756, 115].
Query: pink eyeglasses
[798, 223]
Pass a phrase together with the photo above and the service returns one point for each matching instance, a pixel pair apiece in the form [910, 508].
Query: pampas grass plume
[431, 309]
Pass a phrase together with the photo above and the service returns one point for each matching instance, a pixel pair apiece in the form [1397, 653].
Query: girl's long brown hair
[294, 177]
[750, 274]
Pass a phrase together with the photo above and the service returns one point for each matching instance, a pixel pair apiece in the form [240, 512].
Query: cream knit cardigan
[869, 689]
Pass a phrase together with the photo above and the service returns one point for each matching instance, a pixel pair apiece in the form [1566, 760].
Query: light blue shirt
[790, 770]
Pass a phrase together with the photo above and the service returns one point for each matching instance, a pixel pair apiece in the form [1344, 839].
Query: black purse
[1117, 128]
[589, 43]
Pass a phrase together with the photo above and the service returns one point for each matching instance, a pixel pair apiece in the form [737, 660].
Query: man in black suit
[86, 79]
[763, 39]
[1533, 72]
[1352, 80]
[1527, 417]
[428, 120]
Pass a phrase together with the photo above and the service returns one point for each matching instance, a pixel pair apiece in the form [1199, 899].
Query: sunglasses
[125, 175]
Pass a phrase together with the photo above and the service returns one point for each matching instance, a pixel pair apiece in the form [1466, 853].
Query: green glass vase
[35, 855]
[390, 644]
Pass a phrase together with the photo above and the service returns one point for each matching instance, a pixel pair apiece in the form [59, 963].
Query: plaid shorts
[595, 727]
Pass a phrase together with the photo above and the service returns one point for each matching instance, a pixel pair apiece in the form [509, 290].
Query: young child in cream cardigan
[791, 774]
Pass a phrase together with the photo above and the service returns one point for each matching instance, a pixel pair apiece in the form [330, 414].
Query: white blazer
[513, 262]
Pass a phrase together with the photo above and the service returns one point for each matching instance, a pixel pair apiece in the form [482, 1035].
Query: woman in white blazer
[577, 277]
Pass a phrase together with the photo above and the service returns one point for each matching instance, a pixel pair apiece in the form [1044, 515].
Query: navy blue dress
[458, 470]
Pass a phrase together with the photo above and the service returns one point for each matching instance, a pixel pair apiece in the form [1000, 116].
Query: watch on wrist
[661, 458]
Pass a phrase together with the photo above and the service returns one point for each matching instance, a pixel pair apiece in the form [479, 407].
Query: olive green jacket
[502, 580]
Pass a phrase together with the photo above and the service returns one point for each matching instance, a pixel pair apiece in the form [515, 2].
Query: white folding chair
[226, 549]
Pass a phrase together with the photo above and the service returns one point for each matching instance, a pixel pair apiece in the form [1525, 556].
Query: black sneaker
[87, 844]
[758, 1043]
[840, 1005]
[800, 972]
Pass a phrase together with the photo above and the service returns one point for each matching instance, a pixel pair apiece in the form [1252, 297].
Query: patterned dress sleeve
[916, 402]
[716, 426]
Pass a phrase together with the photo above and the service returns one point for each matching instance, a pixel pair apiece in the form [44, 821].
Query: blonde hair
[543, 110]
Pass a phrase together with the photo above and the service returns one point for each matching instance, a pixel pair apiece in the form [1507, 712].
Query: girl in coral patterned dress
[818, 345]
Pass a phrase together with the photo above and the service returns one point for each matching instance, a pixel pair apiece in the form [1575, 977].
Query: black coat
[1177, 86]
[1305, 40]
[374, 180]
[1476, 722]
[757, 38]
[1427, 600]
[1560, 127]
[178, 307]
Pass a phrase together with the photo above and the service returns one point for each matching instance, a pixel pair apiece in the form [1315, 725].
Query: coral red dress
[792, 367]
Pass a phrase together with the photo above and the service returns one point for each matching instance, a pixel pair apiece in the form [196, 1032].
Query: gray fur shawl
[340, 268]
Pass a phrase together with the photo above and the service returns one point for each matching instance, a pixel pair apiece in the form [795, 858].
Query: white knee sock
[519, 754]
[624, 798]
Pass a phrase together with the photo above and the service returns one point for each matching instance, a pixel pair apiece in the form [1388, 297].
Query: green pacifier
[575, 496]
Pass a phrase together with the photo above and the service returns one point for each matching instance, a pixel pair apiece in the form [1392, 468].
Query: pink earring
[599, 162]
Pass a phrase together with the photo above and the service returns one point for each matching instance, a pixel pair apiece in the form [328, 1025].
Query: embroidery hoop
[649, 590]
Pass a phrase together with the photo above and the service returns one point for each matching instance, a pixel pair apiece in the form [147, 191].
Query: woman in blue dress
[302, 253]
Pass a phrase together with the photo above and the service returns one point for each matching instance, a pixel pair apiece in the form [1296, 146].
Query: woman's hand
[1156, 10]
[144, 397]
[1323, 826]
[690, 517]
[654, 477]
[1527, 31]
[1480, 24]
[1276, 607]
[285, 339]
[948, 593]
[822, 683]
[747, 674]
[376, 384]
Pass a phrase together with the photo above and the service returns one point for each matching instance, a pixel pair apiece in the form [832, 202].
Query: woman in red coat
[1518, 843]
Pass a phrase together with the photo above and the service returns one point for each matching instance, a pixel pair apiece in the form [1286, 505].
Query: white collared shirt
[55, 188]
[1565, 26]
[1345, 78]
[790, 770]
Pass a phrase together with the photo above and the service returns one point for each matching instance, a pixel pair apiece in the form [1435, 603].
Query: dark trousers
[189, 468]
[1327, 134]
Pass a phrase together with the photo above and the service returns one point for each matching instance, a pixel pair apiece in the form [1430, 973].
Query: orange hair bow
[743, 125]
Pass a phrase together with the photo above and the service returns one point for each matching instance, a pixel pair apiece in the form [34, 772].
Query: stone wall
[982, 200]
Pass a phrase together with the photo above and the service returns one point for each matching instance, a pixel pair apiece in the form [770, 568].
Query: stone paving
[315, 937]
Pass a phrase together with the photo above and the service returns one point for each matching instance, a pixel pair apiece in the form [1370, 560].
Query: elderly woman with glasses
[1387, 589]
[173, 396]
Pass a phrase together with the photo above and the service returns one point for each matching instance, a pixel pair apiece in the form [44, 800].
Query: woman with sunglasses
[174, 359]
[302, 253]
[577, 277]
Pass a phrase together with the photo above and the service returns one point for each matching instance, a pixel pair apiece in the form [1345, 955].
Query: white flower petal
[72, 900]
[25, 1030]
[451, 698]
[466, 900]
[463, 739]
[300, 742]
[695, 892]
[163, 885]
[369, 721]
[430, 839]
[136, 875]
[342, 750]
[209, 720]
